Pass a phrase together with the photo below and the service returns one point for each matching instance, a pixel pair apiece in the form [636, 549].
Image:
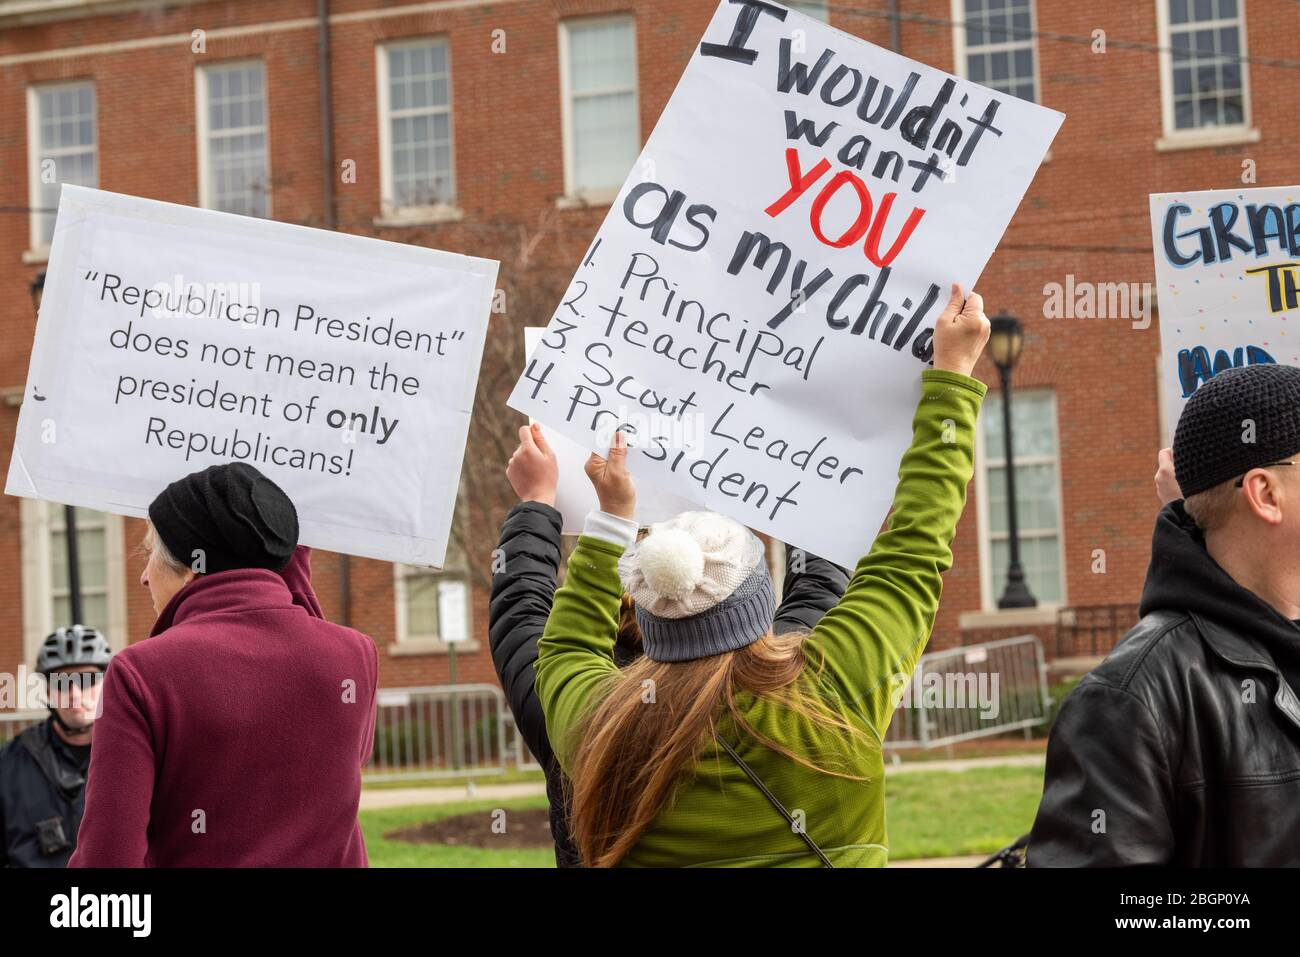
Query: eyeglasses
[1271, 465]
[64, 682]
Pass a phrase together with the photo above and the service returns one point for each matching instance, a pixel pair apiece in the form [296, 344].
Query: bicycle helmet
[77, 646]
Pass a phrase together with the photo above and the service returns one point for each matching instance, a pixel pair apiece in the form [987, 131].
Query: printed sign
[172, 338]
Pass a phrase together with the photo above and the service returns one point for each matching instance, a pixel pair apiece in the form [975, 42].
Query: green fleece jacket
[869, 645]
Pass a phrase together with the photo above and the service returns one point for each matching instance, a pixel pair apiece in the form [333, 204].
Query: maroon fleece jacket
[235, 735]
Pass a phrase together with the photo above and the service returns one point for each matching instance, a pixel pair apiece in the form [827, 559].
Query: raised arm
[525, 571]
[525, 568]
[813, 586]
[871, 640]
[576, 653]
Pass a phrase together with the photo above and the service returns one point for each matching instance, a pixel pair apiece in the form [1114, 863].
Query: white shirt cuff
[610, 528]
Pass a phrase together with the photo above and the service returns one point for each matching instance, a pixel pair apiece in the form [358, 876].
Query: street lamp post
[1006, 339]
[69, 513]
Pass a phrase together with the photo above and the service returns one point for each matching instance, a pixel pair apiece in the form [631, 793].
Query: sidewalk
[372, 798]
[966, 764]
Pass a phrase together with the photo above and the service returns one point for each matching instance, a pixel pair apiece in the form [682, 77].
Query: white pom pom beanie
[701, 587]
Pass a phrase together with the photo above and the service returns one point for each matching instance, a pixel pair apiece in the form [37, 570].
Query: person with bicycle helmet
[43, 770]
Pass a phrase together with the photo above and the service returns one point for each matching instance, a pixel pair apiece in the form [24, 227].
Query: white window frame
[38, 248]
[390, 213]
[38, 585]
[606, 195]
[406, 643]
[1176, 139]
[988, 600]
[959, 49]
[202, 129]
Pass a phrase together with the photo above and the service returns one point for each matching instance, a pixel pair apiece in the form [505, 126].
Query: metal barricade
[428, 732]
[523, 758]
[440, 731]
[468, 731]
[973, 691]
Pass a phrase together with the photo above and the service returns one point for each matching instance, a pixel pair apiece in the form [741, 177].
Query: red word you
[865, 224]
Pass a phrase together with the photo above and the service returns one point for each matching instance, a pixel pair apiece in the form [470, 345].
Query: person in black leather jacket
[525, 571]
[43, 769]
[1183, 747]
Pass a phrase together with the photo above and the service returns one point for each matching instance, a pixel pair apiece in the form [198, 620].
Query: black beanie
[1240, 420]
[232, 515]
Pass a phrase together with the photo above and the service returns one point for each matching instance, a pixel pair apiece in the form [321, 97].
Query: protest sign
[172, 338]
[1227, 280]
[574, 494]
[758, 305]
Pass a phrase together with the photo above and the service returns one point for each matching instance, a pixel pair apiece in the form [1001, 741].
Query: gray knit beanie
[701, 587]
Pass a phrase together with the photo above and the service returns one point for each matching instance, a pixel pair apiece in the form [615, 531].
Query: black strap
[794, 826]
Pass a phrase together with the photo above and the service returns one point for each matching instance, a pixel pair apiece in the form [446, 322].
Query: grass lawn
[385, 853]
[931, 814]
[951, 813]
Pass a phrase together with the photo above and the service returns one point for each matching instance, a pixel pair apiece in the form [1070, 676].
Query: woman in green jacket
[670, 757]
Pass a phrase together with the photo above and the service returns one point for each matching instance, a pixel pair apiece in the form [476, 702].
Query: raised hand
[613, 483]
[960, 332]
[533, 470]
[1167, 489]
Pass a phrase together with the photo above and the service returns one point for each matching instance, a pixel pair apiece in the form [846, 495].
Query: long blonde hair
[642, 740]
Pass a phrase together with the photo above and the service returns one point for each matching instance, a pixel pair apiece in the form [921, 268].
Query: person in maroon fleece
[235, 735]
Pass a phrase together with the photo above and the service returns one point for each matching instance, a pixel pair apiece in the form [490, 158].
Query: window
[995, 45]
[61, 148]
[601, 126]
[100, 553]
[433, 607]
[234, 173]
[1038, 497]
[92, 557]
[1204, 73]
[416, 163]
[813, 8]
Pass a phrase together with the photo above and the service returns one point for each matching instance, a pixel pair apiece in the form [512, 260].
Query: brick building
[466, 124]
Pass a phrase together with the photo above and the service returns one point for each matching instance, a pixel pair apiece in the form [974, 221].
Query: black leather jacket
[1183, 747]
[523, 588]
[42, 794]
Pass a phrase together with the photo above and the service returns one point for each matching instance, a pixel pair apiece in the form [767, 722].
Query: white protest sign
[574, 495]
[172, 338]
[758, 305]
[1228, 281]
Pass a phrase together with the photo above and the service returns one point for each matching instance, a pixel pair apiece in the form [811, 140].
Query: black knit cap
[1212, 441]
[233, 515]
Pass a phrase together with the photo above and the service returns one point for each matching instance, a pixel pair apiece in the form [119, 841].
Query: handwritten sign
[574, 495]
[171, 339]
[1228, 281]
[758, 305]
